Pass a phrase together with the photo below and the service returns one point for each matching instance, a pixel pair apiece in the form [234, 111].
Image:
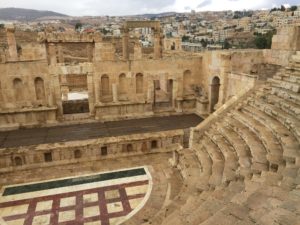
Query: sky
[133, 7]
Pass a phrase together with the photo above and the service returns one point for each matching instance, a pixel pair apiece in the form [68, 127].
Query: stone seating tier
[245, 167]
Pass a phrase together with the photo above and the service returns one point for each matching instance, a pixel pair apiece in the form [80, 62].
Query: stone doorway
[163, 93]
[75, 99]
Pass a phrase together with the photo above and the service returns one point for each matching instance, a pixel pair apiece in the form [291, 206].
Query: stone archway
[214, 93]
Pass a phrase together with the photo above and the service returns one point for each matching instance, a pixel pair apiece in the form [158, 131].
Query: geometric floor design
[94, 200]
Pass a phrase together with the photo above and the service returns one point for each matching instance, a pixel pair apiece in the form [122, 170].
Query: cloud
[133, 7]
[93, 7]
[204, 3]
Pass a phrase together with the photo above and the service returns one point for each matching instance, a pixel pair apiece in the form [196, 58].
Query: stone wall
[287, 38]
[121, 88]
[48, 155]
[75, 106]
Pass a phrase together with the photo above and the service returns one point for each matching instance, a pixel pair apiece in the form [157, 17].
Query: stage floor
[35, 136]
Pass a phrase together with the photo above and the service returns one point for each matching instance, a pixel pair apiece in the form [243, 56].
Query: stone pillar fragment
[125, 45]
[137, 51]
[58, 95]
[90, 52]
[12, 44]
[157, 45]
[150, 92]
[115, 92]
[91, 93]
[52, 54]
[60, 54]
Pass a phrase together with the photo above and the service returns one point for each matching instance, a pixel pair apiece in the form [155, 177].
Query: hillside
[26, 14]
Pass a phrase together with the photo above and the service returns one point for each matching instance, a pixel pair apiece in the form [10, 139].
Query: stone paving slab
[35, 136]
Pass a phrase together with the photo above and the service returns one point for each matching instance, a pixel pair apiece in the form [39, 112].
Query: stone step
[217, 162]
[205, 166]
[289, 121]
[286, 94]
[279, 216]
[271, 178]
[292, 68]
[231, 161]
[288, 77]
[216, 202]
[271, 143]
[257, 149]
[285, 84]
[242, 150]
[296, 58]
[286, 105]
[288, 141]
[192, 203]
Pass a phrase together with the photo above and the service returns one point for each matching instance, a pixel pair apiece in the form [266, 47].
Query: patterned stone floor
[105, 198]
[167, 182]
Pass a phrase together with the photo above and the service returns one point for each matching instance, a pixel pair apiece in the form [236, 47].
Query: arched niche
[122, 84]
[18, 161]
[77, 154]
[39, 88]
[105, 85]
[18, 89]
[139, 83]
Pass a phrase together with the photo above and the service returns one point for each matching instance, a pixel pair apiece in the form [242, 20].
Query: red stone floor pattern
[79, 207]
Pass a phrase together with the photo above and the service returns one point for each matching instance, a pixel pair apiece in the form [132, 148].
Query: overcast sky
[132, 7]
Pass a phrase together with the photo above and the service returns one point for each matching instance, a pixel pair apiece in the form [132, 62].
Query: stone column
[125, 39]
[97, 90]
[174, 94]
[150, 91]
[115, 92]
[52, 54]
[90, 85]
[137, 51]
[1, 96]
[57, 94]
[177, 95]
[12, 44]
[60, 53]
[90, 51]
[157, 45]
[64, 92]
[202, 106]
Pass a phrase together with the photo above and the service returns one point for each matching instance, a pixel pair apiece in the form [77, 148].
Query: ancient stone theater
[96, 130]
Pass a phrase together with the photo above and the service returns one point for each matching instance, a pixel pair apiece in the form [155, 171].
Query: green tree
[78, 26]
[203, 43]
[274, 9]
[264, 41]
[261, 42]
[2, 25]
[294, 8]
[185, 38]
[104, 31]
[226, 44]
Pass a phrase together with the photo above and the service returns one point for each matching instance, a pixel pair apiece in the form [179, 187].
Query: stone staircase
[245, 167]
